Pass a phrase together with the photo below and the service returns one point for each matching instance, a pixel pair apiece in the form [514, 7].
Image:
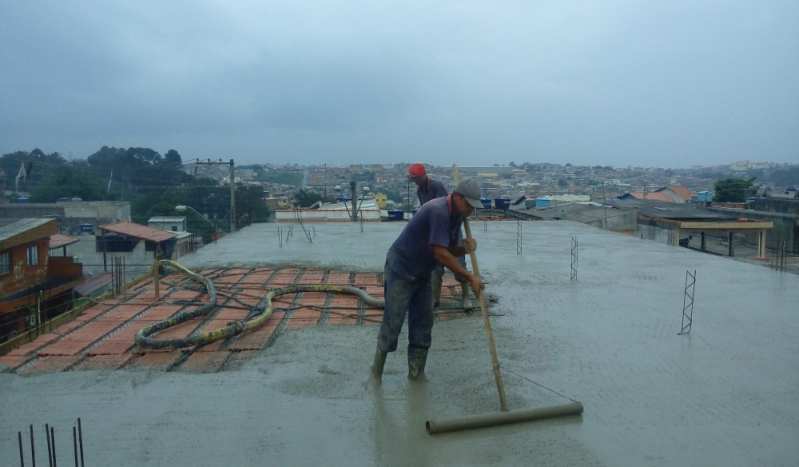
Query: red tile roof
[138, 231]
[681, 191]
[58, 240]
[652, 195]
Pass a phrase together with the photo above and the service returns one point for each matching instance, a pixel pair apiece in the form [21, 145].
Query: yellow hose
[143, 340]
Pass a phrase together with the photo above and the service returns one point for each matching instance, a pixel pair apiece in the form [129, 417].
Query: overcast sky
[666, 84]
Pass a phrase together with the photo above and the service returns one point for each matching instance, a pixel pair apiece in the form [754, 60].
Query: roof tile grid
[338, 317]
[107, 362]
[362, 279]
[15, 361]
[237, 359]
[258, 278]
[282, 279]
[184, 295]
[283, 301]
[79, 340]
[297, 323]
[122, 313]
[204, 362]
[312, 277]
[52, 364]
[228, 279]
[124, 339]
[314, 299]
[338, 277]
[158, 361]
[29, 348]
[258, 338]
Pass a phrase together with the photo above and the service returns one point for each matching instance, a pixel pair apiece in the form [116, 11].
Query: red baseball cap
[417, 171]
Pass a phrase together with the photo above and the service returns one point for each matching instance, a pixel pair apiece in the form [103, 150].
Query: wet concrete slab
[726, 394]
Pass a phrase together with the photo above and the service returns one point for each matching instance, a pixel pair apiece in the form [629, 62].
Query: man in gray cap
[429, 238]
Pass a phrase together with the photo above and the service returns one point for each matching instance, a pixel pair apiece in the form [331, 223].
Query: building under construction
[604, 324]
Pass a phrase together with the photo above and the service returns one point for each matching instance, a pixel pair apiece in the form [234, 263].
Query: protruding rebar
[21, 457]
[49, 444]
[80, 442]
[33, 450]
[52, 440]
[75, 444]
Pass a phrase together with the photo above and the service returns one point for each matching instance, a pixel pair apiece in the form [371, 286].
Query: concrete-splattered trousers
[413, 295]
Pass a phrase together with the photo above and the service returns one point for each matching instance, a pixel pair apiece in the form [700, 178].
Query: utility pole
[232, 197]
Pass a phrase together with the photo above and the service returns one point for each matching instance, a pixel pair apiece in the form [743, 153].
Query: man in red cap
[429, 189]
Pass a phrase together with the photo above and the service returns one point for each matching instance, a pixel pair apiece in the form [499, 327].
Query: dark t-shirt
[412, 254]
[435, 189]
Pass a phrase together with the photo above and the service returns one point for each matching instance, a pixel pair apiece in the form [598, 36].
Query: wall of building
[656, 233]
[782, 206]
[21, 275]
[786, 227]
[137, 262]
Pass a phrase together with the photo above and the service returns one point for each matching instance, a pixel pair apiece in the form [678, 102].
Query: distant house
[34, 286]
[652, 195]
[677, 193]
[170, 223]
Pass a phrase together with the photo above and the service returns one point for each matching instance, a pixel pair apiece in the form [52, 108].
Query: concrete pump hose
[143, 338]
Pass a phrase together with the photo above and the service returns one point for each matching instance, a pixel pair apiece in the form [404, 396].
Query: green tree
[250, 206]
[307, 198]
[363, 177]
[562, 183]
[69, 181]
[732, 190]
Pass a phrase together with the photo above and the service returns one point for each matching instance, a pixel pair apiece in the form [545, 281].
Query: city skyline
[672, 85]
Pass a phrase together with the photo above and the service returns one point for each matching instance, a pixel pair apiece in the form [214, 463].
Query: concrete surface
[727, 394]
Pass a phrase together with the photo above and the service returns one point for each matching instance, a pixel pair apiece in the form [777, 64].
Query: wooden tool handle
[481, 296]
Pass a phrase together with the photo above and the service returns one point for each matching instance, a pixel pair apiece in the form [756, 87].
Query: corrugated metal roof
[58, 240]
[94, 283]
[20, 226]
[139, 231]
[668, 210]
[167, 219]
[652, 195]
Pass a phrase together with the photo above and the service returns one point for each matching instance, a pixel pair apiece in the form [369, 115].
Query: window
[33, 255]
[5, 263]
[174, 228]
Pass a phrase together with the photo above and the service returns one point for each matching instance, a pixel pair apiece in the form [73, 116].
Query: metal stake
[688, 303]
[80, 442]
[75, 444]
[49, 445]
[52, 439]
[33, 450]
[519, 237]
[575, 259]
[21, 458]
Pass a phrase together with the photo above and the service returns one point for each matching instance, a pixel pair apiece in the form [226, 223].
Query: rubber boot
[417, 357]
[377, 367]
[437, 281]
[466, 301]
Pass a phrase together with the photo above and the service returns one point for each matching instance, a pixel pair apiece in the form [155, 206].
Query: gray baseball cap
[469, 188]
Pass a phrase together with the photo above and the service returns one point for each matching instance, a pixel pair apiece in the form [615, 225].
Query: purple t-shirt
[412, 254]
[434, 190]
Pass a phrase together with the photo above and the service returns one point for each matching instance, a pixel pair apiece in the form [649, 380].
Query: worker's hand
[477, 285]
[469, 244]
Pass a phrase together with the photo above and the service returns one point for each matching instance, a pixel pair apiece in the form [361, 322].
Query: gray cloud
[673, 84]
